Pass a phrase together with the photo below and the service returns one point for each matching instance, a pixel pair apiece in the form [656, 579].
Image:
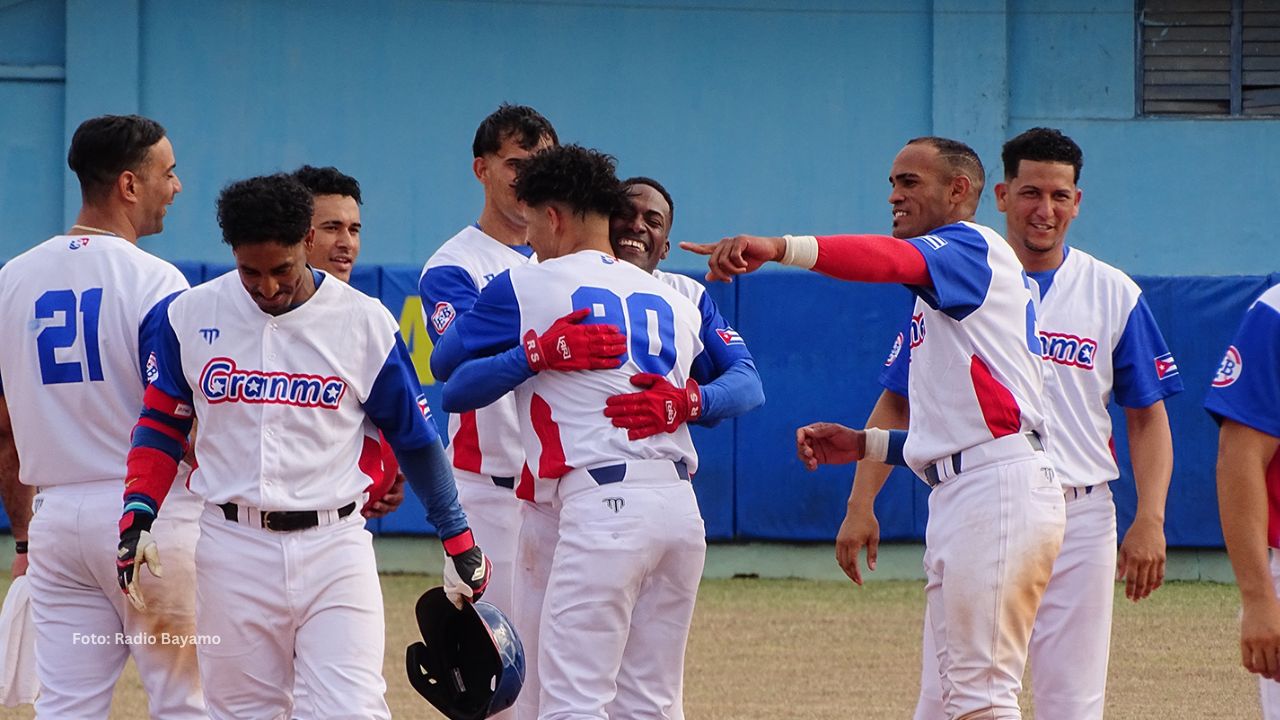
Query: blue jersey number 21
[55, 337]
[648, 321]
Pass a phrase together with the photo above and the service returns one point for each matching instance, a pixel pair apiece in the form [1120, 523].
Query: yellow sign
[413, 328]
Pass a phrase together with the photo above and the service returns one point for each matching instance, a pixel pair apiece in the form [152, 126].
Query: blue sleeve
[427, 471]
[722, 346]
[396, 403]
[897, 441]
[491, 326]
[1247, 386]
[480, 382]
[447, 291]
[1145, 370]
[147, 339]
[166, 372]
[736, 392]
[957, 259]
[896, 374]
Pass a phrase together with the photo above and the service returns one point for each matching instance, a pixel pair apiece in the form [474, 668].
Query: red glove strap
[694, 395]
[459, 543]
[537, 361]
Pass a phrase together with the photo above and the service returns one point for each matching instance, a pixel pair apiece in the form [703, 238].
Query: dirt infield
[818, 650]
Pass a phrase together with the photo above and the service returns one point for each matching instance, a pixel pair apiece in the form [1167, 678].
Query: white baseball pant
[1071, 638]
[620, 597]
[269, 602]
[535, 550]
[86, 629]
[994, 532]
[1270, 689]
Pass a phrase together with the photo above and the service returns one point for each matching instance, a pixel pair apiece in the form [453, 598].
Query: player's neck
[1038, 261]
[500, 228]
[104, 221]
[590, 233]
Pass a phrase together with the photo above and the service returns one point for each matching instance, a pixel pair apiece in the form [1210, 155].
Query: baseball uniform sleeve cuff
[802, 251]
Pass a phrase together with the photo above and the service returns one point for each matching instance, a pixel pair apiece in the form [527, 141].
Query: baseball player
[1244, 400]
[1101, 340]
[281, 365]
[996, 514]
[631, 544]
[335, 217]
[73, 344]
[484, 445]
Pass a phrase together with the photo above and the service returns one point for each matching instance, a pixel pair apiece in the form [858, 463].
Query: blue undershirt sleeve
[447, 292]
[480, 382]
[492, 326]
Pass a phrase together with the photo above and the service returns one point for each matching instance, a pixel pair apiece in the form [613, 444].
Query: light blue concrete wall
[761, 116]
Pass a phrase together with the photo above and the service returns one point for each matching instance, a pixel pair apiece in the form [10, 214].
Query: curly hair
[105, 146]
[268, 208]
[642, 180]
[1040, 144]
[328, 181]
[581, 178]
[961, 158]
[521, 122]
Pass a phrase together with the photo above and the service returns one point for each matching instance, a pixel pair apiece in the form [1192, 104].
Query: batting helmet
[470, 664]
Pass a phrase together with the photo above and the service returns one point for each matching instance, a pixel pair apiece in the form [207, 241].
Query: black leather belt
[615, 473]
[503, 482]
[285, 520]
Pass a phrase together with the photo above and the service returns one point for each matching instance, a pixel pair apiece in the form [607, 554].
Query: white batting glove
[132, 555]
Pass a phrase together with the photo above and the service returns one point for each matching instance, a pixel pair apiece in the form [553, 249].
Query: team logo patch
[608, 259]
[153, 368]
[1165, 366]
[442, 317]
[917, 330]
[893, 354]
[1229, 369]
[730, 336]
[221, 381]
[78, 243]
[1070, 350]
[210, 334]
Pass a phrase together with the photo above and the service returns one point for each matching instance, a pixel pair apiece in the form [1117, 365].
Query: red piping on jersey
[999, 409]
[1273, 501]
[872, 258]
[466, 443]
[524, 487]
[551, 462]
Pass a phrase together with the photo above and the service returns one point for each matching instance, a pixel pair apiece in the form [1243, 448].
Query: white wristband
[802, 251]
[877, 445]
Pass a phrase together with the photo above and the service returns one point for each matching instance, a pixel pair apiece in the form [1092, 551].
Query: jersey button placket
[269, 487]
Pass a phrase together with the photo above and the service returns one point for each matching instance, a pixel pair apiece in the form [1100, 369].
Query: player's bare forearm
[1151, 452]
[891, 412]
[16, 496]
[1243, 455]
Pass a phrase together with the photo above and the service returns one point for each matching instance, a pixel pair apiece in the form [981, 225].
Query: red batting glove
[660, 407]
[569, 345]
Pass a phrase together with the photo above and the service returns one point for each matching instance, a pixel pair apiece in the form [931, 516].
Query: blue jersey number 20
[56, 337]
[648, 321]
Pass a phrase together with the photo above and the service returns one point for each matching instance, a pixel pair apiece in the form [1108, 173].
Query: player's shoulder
[1269, 299]
[1099, 276]
[472, 247]
[683, 284]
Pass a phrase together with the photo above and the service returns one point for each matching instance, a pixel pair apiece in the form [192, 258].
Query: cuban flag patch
[442, 317]
[1165, 366]
[423, 407]
[730, 336]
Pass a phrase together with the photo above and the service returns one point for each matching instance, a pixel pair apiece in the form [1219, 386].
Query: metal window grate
[1209, 57]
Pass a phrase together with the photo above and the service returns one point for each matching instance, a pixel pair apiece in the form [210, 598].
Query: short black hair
[328, 181]
[961, 158]
[269, 208]
[1041, 144]
[105, 146]
[642, 180]
[522, 122]
[581, 178]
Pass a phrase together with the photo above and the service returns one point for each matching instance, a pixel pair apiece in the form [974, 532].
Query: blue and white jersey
[1246, 388]
[976, 370]
[722, 345]
[484, 441]
[562, 421]
[281, 400]
[73, 352]
[1100, 340]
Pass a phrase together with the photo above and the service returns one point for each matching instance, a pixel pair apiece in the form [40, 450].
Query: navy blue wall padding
[819, 344]
[213, 270]
[192, 271]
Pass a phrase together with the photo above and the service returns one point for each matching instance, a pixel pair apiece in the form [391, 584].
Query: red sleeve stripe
[163, 429]
[872, 258]
[156, 399]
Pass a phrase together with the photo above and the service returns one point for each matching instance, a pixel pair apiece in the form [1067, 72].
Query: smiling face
[1039, 204]
[155, 185]
[922, 191]
[275, 275]
[336, 220]
[641, 236]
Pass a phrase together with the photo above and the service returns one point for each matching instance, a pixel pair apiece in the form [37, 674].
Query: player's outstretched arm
[738, 255]
[479, 382]
[1141, 560]
[16, 496]
[1243, 456]
[860, 528]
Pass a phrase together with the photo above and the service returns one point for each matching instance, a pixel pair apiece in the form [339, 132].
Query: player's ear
[127, 186]
[1002, 196]
[666, 248]
[1075, 211]
[960, 187]
[309, 240]
[478, 166]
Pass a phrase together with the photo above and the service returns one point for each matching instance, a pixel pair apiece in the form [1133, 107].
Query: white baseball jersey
[483, 441]
[282, 400]
[1246, 388]
[1100, 340]
[562, 421]
[976, 372]
[72, 352]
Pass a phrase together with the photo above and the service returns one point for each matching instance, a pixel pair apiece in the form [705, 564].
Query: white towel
[18, 682]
